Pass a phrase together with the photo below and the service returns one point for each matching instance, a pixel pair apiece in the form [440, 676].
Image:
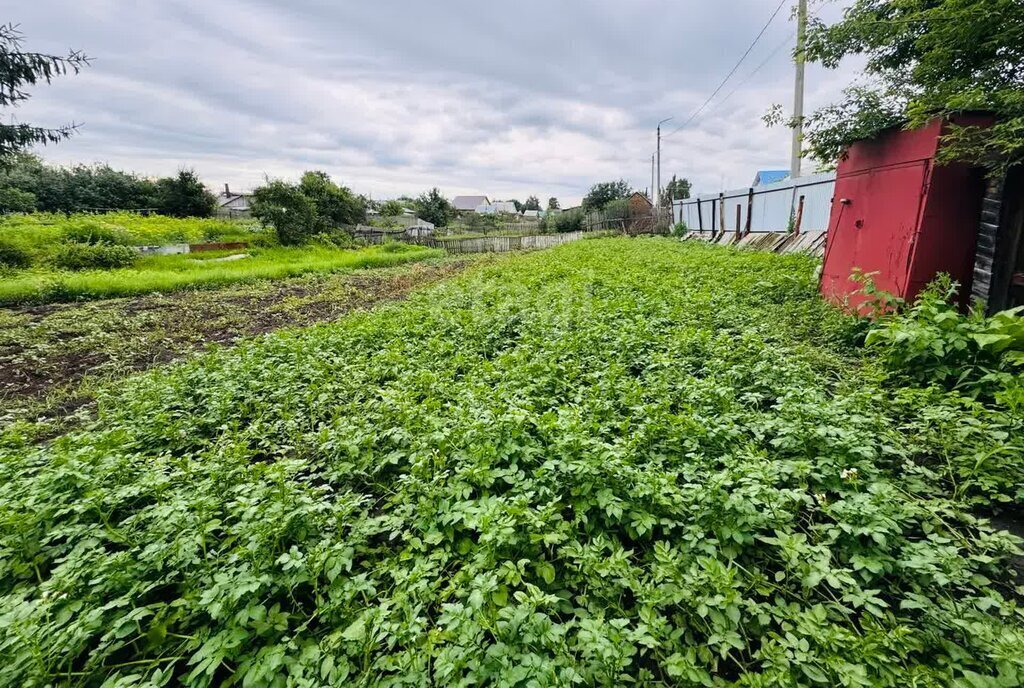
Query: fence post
[799, 215]
[721, 213]
[700, 217]
[739, 219]
[750, 210]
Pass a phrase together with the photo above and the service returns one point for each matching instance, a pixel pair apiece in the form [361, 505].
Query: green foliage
[932, 342]
[20, 69]
[94, 231]
[78, 188]
[618, 209]
[191, 271]
[613, 463]
[679, 229]
[44, 232]
[435, 208]
[13, 255]
[391, 209]
[602, 194]
[185, 196]
[290, 212]
[16, 201]
[553, 203]
[927, 58]
[561, 223]
[95, 256]
[334, 205]
[532, 203]
[677, 189]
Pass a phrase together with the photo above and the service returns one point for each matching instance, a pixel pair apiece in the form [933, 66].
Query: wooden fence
[484, 244]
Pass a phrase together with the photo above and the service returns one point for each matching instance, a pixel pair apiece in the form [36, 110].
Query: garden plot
[618, 462]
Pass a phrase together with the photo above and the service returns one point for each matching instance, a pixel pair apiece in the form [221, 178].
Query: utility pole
[657, 189]
[798, 95]
[652, 175]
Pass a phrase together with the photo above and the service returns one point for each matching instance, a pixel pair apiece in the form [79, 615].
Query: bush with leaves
[284, 207]
[613, 463]
[932, 342]
[184, 196]
[13, 255]
[100, 256]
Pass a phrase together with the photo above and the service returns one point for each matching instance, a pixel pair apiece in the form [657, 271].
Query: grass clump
[613, 463]
[98, 256]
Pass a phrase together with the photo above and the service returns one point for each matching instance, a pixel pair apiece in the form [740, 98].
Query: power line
[733, 71]
[752, 74]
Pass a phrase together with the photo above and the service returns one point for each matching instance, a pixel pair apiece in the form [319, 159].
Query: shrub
[16, 201]
[284, 207]
[679, 229]
[566, 222]
[932, 343]
[95, 233]
[94, 257]
[13, 256]
[185, 196]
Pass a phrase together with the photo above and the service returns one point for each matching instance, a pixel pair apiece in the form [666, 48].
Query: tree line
[27, 184]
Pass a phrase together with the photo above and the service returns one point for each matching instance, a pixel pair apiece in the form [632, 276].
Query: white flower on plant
[848, 474]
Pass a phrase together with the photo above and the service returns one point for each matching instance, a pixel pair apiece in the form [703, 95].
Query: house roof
[770, 176]
[641, 195]
[469, 202]
[225, 198]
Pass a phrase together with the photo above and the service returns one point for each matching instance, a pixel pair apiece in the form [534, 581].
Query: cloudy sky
[392, 97]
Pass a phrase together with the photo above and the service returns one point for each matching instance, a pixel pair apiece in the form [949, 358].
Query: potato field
[620, 462]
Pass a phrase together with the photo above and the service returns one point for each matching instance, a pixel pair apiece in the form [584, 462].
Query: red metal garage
[898, 214]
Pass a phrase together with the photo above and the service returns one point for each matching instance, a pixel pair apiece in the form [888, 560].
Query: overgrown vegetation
[926, 59]
[41, 236]
[932, 342]
[615, 463]
[187, 271]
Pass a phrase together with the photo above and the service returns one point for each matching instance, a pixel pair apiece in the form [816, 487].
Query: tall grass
[171, 273]
[41, 232]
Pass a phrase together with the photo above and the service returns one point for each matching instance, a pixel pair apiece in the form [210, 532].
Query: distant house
[469, 204]
[533, 214]
[769, 177]
[496, 207]
[639, 204]
[231, 204]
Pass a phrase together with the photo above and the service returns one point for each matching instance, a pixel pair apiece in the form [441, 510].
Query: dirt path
[53, 357]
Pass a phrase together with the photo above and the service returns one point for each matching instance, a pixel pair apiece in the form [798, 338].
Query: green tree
[391, 209]
[16, 201]
[18, 70]
[184, 196]
[284, 207]
[532, 203]
[435, 208]
[926, 59]
[77, 188]
[335, 205]
[553, 203]
[676, 190]
[604, 193]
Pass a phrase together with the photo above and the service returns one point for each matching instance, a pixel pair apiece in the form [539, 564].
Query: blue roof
[770, 176]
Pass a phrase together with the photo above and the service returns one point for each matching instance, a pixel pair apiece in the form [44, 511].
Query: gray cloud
[393, 97]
